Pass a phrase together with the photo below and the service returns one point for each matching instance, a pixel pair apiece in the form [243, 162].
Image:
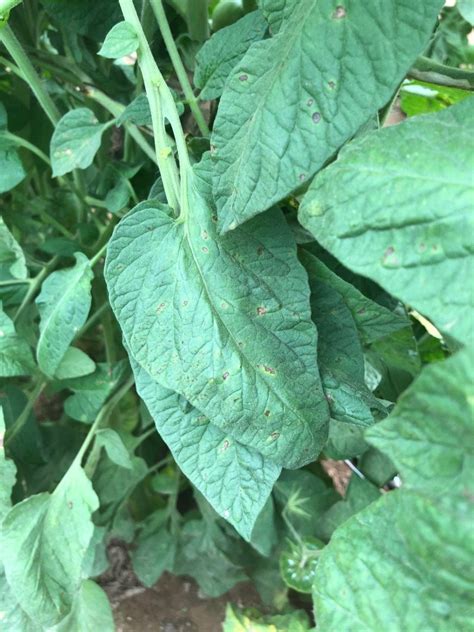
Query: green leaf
[396, 207]
[137, 112]
[16, 357]
[155, 549]
[7, 474]
[466, 9]
[404, 563]
[235, 479]
[340, 356]
[249, 619]
[12, 259]
[44, 539]
[114, 446]
[299, 563]
[95, 560]
[93, 18]
[429, 436]
[75, 141]
[90, 612]
[301, 95]
[12, 617]
[219, 55]
[420, 536]
[241, 331]
[121, 40]
[377, 467]
[359, 494]
[63, 304]
[200, 555]
[91, 391]
[306, 497]
[373, 320]
[345, 440]
[74, 363]
[11, 167]
[264, 535]
[27, 446]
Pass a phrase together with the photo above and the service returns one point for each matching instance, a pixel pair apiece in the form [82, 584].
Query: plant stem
[23, 418]
[29, 74]
[162, 107]
[157, 6]
[144, 436]
[98, 255]
[100, 419]
[93, 319]
[21, 142]
[49, 219]
[16, 282]
[116, 110]
[34, 287]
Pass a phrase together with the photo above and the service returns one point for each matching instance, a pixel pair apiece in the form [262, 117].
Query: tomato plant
[221, 270]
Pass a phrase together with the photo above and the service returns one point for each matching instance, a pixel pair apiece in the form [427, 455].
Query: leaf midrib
[240, 353]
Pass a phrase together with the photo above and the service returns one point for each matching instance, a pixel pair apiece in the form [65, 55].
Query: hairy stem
[178, 66]
[162, 107]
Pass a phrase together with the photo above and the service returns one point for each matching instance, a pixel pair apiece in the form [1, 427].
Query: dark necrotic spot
[339, 13]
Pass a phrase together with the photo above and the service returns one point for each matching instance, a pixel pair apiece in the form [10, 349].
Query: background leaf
[63, 304]
[12, 259]
[406, 227]
[430, 583]
[15, 354]
[294, 99]
[44, 540]
[219, 55]
[75, 141]
[121, 40]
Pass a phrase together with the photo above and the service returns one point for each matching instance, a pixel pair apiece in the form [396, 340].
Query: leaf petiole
[157, 6]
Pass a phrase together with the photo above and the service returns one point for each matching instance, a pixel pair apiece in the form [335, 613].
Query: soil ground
[174, 605]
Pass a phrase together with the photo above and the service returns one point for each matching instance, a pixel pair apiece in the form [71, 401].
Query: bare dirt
[174, 604]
